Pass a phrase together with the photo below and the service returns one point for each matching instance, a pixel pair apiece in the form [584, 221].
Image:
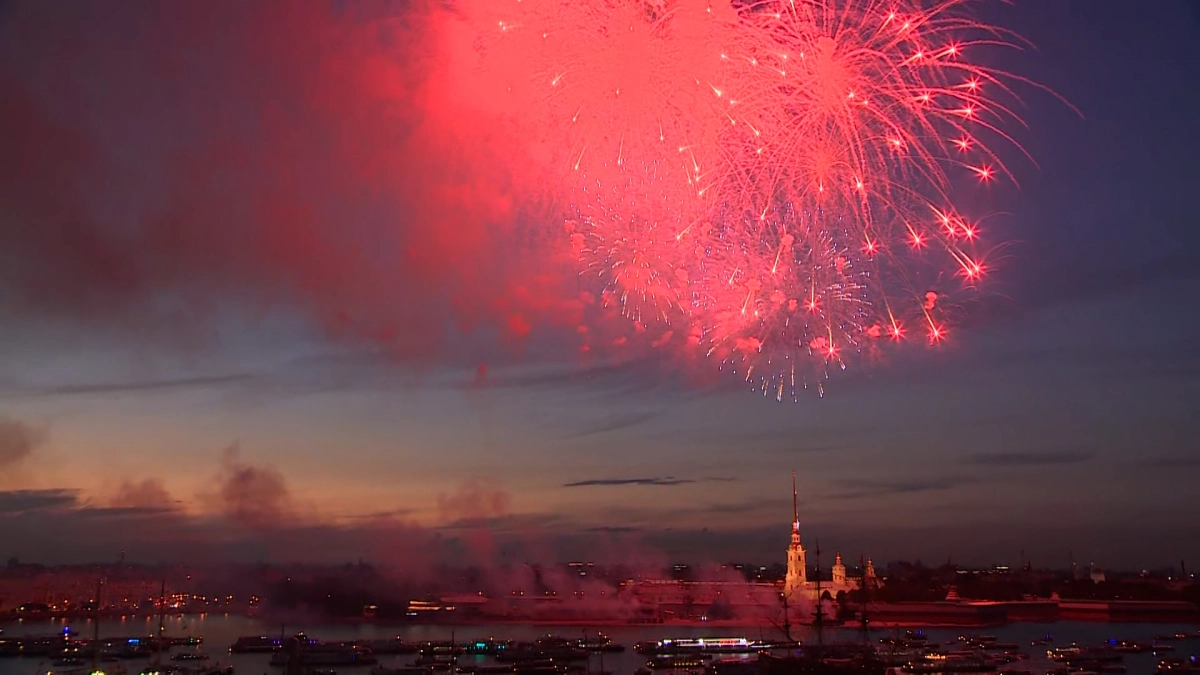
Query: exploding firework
[849, 114]
[788, 300]
[773, 174]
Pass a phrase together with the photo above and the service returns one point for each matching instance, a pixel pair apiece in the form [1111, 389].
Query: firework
[600, 87]
[772, 174]
[787, 299]
[847, 116]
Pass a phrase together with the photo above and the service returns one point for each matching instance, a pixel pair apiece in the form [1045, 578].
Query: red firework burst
[774, 173]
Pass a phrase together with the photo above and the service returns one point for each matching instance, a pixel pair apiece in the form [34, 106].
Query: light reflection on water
[219, 632]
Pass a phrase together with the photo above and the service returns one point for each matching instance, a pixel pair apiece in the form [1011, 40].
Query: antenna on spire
[795, 505]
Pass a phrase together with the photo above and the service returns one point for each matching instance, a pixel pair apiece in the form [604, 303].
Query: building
[798, 587]
[796, 580]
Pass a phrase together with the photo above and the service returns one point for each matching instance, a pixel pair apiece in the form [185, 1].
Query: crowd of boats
[910, 654]
[915, 653]
[549, 655]
[67, 654]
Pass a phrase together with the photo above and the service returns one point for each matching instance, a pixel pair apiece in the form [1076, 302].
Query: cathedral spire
[795, 506]
[797, 575]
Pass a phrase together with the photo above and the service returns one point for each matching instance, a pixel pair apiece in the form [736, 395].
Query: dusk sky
[221, 336]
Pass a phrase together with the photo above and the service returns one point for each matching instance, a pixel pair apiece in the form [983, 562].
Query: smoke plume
[17, 441]
[148, 493]
[252, 496]
[316, 156]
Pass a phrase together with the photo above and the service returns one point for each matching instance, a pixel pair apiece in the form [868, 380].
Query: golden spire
[795, 508]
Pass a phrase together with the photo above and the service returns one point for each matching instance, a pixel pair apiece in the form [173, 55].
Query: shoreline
[747, 623]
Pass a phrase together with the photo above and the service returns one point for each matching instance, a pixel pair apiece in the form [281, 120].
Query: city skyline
[196, 395]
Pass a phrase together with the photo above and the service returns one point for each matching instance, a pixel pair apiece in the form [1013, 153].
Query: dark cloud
[251, 496]
[855, 488]
[17, 441]
[126, 511]
[381, 515]
[1032, 458]
[619, 378]
[614, 529]
[557, 377]
[1185, 461]
[139, 386]
[614, 423]
[25, 501]
[751, 506]
[809, 448]
[146, 494]
[663, 481]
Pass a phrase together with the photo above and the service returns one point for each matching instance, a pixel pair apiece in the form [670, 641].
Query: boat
[963, 666]
[256, 644]
[323, 657]
[435, 661]
[539, 669]
[488, 647]
[443, 647]
[1159, 646]
[184, 641]
[676, 663]
[735, 645]
[600, 643]
[401, 670]
[393, 646]
[915, 636]
[1190, 666]
[546, 648]
[165, 669]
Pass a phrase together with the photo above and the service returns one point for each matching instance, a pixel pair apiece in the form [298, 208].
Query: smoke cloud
[317, 156]
[473, 501]
[17, 441]
[148, 493]
[252, 496]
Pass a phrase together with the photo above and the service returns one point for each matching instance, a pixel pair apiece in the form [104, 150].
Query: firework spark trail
[789, 300]
[772, 174]
[856, 110]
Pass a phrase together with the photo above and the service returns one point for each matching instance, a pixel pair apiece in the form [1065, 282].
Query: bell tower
[797, 574]
[839, 571]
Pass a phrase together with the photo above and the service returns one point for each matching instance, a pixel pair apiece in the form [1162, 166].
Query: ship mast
[819, 618]
[787, 626]
[162, 608]
[863, 568]
[795, 506]
[96, 626]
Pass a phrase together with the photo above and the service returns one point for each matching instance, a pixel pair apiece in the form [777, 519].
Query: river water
[221, 630]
